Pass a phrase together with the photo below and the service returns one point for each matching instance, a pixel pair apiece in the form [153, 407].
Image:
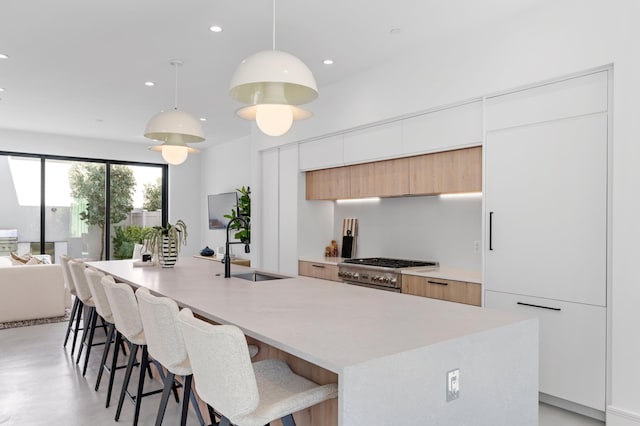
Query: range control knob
[355, 275]
[394, 281]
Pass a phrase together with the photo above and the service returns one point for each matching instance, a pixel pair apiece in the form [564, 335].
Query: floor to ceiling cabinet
[546, 226]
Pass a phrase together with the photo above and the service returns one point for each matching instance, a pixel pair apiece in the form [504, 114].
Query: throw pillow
[16, 262]
[33, 261]
[17, 258]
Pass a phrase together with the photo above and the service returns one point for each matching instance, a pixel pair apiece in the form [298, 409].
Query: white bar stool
[76, 310]
[165, 344]
[245, 394]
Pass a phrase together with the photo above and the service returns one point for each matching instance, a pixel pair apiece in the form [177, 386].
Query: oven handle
[437, 282]
[317, 266]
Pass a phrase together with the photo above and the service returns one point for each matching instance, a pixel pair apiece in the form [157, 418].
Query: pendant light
[273, 83]
[174, 128]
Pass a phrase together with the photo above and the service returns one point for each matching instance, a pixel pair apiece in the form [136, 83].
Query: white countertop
[445, 273]
[327, 323]
[322, 259]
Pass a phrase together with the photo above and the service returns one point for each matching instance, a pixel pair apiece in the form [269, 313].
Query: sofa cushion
[18, 259]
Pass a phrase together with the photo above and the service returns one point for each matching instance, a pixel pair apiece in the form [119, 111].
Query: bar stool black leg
[166, 390]
[105, 353]
[127, 377]
[114, 365]
[74, 310]
[77, 327]
[87, 327]
[90, 344]
[144, 364]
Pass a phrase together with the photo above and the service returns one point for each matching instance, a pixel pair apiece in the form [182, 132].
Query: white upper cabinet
[569, 98]
[321, 153]
[449, 128]
[373, 143]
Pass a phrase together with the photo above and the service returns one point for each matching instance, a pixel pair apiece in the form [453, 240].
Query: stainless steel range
[379, 272]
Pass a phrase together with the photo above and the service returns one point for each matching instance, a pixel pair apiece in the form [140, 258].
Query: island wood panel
[323, 414]
[328, 184]
[389, 178]
[446, 172]
[318, 270]
[437, 288]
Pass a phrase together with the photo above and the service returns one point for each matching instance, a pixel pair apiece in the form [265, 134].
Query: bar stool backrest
[64, 260]
[80, 281]
[94, 279]
[125, 311]
[222, 370]
[164, 338]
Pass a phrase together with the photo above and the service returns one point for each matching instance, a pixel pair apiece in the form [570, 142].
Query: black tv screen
[219, 206]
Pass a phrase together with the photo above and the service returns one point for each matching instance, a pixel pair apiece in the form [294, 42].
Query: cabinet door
[288, 209]
[322, 271]
[374, 143]
[328, 184]
[546, 205]
[269, 242]
[437, 288]
[380, 179]
[446, 172]
[321, 153]
[572, 345]
[443, 130]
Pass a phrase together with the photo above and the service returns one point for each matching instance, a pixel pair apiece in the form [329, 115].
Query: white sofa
[31, 292]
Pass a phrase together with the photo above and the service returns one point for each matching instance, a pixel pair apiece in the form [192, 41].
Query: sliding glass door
[82, 208]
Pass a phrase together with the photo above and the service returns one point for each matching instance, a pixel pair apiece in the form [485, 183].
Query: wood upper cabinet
[388, 178]
[437, 288]
[446, 172]
[323, 271]
[328, 184]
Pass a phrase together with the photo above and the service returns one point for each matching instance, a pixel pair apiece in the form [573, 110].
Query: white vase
[167, 253]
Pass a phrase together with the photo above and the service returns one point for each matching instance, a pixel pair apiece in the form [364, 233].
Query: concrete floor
[40, 384]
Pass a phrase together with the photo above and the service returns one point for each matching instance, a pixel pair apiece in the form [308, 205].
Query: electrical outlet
[476, 246]
[453, 385]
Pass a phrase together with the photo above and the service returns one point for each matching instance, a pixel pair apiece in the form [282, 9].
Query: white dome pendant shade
[174, 129]
[272, 83]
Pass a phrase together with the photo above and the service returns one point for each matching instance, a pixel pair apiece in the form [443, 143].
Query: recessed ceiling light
[149, 83]
[395, 31]
[3, 56]
[328, 62]
[215, 29]
[1, 89]
[203, 119]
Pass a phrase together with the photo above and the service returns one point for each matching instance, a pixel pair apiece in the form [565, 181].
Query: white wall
[553, 39]
[184, 180]
[419, 228]
[225, 167]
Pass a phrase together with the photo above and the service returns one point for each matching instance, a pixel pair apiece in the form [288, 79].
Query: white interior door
[546, 206]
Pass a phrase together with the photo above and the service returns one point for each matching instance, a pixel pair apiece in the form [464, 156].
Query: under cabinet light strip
[358, 200]
[462, 195]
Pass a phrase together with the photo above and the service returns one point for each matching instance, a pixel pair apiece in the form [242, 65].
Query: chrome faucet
[227, 259]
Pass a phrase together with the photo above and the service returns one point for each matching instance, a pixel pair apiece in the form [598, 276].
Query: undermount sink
[258, 276]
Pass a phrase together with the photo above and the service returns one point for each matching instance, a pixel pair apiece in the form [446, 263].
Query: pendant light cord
[175, 104]
[274, 25]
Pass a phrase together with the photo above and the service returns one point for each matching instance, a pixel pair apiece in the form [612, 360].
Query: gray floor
[40, 384]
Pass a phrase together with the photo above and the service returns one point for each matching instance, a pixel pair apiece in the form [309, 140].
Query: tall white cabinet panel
[568, 98]
[269, 242]
[442, 130]
[572, 346]
[546, 225]
[374, 143]
[546, 198]
[322, 153]
[288, 206]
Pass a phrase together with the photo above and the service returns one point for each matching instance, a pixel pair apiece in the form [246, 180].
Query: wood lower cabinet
[438, 288]
[328, 184]
[446, 172]
[323, 271]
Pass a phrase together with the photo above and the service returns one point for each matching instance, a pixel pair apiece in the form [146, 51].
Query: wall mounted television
[219, 206]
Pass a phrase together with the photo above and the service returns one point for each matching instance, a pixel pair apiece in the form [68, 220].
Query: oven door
[376, 286]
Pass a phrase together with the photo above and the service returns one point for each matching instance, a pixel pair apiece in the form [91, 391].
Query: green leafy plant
[243, 210]
[126, 238]
[176, 233]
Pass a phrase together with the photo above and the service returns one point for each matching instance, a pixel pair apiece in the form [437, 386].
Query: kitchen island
[389, 352]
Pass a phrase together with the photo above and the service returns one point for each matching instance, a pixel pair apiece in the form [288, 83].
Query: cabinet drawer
[572, 345]
[318, 270]
[437, 288]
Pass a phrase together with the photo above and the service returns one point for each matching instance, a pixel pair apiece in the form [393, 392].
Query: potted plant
[166, 241]
[244, 210]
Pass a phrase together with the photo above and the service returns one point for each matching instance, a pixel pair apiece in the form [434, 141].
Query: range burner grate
[385, 262]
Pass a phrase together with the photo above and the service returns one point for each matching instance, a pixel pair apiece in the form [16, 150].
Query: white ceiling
[78, 67]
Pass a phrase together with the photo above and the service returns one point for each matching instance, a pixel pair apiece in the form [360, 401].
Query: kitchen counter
[322, 259]
[390, 351]
[445, 273]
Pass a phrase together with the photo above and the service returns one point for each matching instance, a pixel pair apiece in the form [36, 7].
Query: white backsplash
[420, 228]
